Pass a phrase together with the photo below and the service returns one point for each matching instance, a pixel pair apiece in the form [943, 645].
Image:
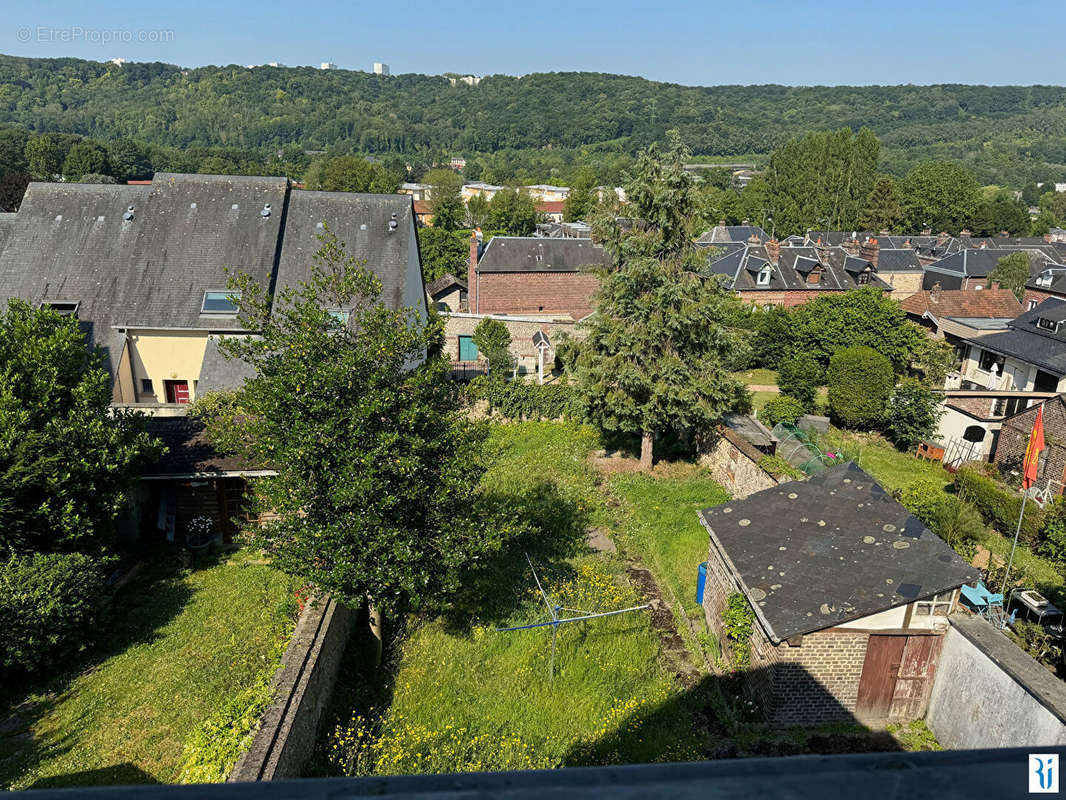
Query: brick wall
[533, 293]
[814, 682]
[733, 462]
[980, 407]
[1014, 438]
[1037, 294]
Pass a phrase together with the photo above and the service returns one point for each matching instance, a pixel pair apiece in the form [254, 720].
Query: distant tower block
[381, 69]
[327, 65]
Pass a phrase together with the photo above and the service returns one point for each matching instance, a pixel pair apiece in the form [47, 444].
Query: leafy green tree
[378, 469]
[1054, 202]
[45, 155]
[913, 413]
[351, 174]
[654, 357]
[866, 316]
[860, 382]
[772, 341]
[1011, 272]
[514, 212]
[1042, 223]
[882, 211]
[66, 459]
[1053, 537]
[443, 252]
[13, 150]
[477, 211]
[493, 340]
[12, 189]
[582, 198]
[1031, 194]
[939, 195]
[96, 177]
[84, 157]
[800, 375]
[445, 201]
[128, 160]
[827, 175]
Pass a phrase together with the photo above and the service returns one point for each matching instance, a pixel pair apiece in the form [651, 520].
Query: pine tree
[582, 198]
[882, 211]
[654, 358]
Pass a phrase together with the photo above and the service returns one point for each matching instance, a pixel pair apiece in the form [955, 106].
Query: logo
[1043, 773]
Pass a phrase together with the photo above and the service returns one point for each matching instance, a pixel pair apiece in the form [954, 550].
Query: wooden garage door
[884, 654]
[896, 677]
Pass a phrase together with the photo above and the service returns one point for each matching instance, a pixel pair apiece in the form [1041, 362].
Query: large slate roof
[188, 450]
[977, 263]
[817, 553]
[1024, 340]
[218, 373]
[540, 254]
[142, 256]
[732, 233]
[741, 266]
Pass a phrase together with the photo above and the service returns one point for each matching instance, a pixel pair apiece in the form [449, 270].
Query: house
[486, 190]
[447, 293]
[418, 191]
[545, 193]
[1003, 372]
[551, 210]
[423, 213]
[144, 267]
[1014, 439]
[934, 309]
[969, 268]
[534, 276]
[468, 362]
[850, 595]
[1049, 282]
[768, 274]
[899, 267]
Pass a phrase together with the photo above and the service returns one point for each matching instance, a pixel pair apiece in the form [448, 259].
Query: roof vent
[393, 224]
[362, 227]
[129, 214]
[59, 217]
[99, 219]
[192, 205]
[266, 211]
[321, 226]
[234, 207]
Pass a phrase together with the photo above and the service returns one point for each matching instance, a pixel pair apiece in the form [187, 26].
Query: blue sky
[685, 41]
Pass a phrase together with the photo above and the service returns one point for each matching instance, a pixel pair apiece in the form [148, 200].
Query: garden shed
[849, 595]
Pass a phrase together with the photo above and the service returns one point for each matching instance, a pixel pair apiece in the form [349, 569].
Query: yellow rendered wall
[165, 356]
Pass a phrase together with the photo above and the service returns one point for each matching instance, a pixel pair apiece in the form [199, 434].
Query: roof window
[763, 278]
[64, 309]
[1047, 324]
[220, 302]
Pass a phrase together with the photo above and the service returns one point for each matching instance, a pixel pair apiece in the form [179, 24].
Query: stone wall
[733, 462]
[302, 687]
[990, 693]
[521, 330]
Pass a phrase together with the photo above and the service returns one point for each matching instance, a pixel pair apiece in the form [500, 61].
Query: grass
[464, 697]
[178, 646]
[663, 528]
[757, 377]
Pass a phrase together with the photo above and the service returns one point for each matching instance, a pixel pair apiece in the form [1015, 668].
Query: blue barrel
[701, 582]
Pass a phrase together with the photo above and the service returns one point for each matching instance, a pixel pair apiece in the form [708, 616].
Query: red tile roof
[551, 207]
[422, 207]
[987, 303]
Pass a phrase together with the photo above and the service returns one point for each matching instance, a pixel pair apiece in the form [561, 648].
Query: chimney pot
[773, 251]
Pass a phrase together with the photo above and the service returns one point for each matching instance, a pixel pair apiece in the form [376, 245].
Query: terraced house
[144, 268]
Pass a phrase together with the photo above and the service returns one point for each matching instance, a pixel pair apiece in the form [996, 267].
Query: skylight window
[62, 308]
[221, 302]
[340, 314]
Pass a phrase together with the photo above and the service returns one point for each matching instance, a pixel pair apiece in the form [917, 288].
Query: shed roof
[834, 548]
[541, 254]
[188, 451]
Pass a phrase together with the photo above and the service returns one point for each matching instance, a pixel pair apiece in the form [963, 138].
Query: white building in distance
[381, 69]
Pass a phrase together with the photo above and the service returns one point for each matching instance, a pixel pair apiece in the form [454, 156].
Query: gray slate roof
[72, 242]
[540, 254]
[741, 265]
[813, 554]
[732, 233]
[446, 281]
[218, 373]
[979, 263]
[1024, 340]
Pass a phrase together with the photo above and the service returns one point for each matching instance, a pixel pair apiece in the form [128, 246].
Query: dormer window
[62, 308]
[220, 302]
[763, 278]
[1046, 324]
[814, 277]
[1044, 279]
[862, 278]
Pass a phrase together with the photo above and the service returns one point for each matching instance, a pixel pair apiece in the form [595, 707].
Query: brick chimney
[870, 251]
[753, 239]
[941, 238]
[471, 276]
[851, 246]
[934, 293]
[773, 250]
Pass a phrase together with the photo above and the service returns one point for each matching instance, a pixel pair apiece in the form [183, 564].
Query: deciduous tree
[939, 195]
[445, 201]
[1012, 272]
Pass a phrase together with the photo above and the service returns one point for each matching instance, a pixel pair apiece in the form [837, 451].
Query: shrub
[1053, 543]
[860, 382]
[739, 622]
[913, 414]
[800, 376]
[522, 399]
[49, 604]
[779, 468]
[493, 340]
[998, 505]
[782, 409]
[949, 516]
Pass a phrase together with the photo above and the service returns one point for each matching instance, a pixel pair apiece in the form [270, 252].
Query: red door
[177, 391]
[884, 654]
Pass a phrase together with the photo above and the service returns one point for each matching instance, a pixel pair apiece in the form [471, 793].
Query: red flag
[1032, 452]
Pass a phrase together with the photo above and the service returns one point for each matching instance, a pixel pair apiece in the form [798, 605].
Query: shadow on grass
[553, 529]
[116, 775]
[727, 724]
[135, 615]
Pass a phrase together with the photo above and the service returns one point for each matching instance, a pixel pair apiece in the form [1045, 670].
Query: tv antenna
[556, 620]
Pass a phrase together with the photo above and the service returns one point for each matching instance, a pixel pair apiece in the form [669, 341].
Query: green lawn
[465, 697]
[663, 528]
[757, 377]
[178, 646]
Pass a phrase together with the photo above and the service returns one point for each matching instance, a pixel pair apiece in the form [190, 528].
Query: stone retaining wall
[302, 687]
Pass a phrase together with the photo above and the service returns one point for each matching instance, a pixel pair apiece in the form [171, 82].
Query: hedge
[998, 505]
[49, 605]
[860, 382]
[782, 408]
[521, 399]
